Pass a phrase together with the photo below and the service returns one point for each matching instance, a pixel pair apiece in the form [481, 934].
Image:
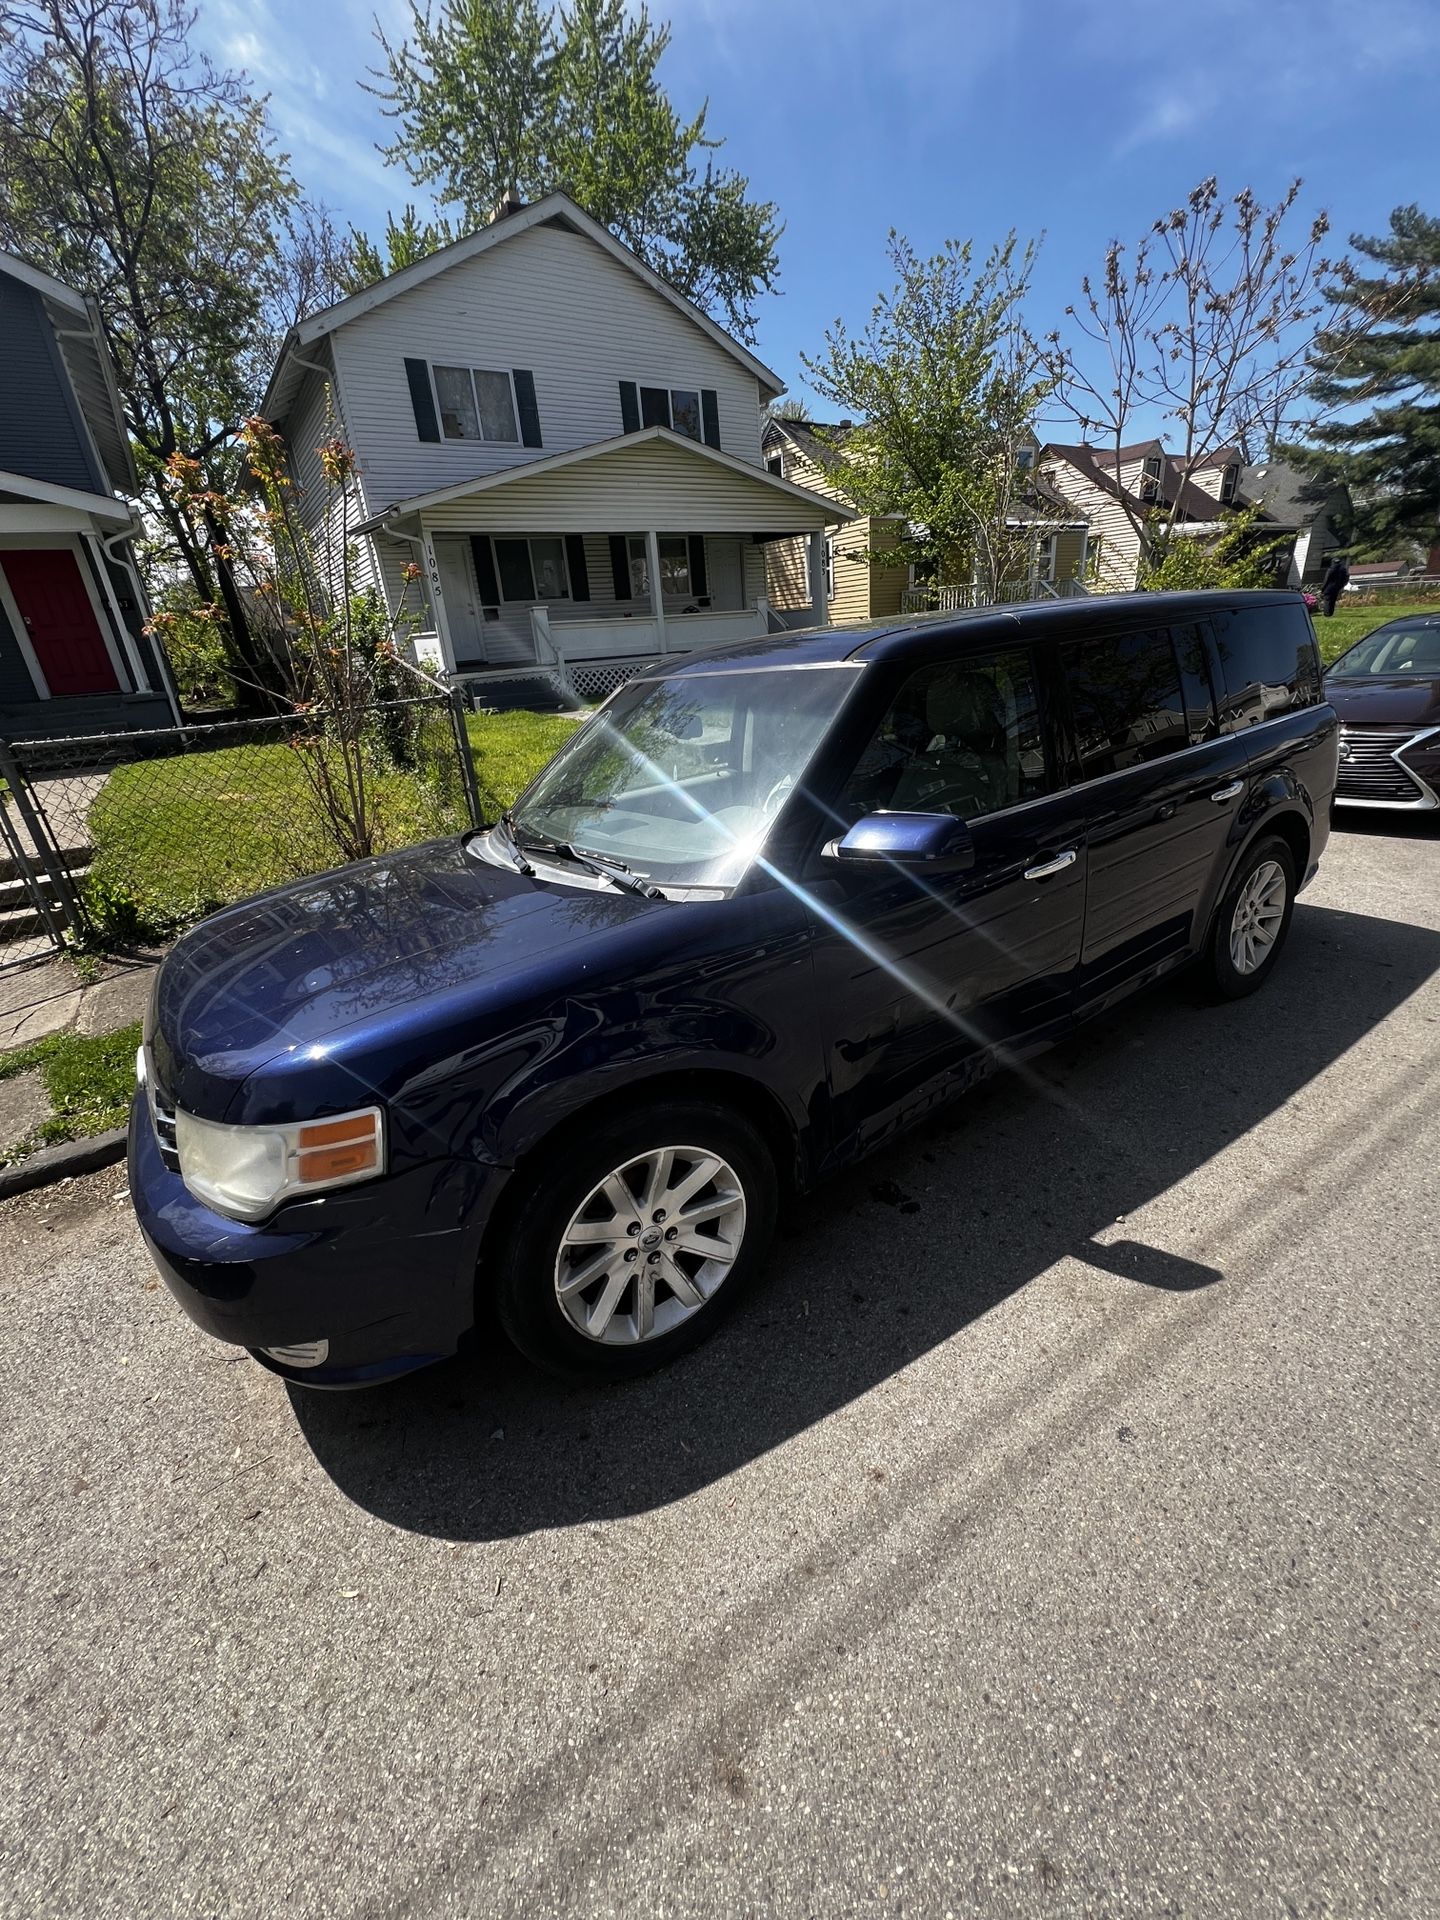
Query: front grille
[1369, 770]
[162, 1116]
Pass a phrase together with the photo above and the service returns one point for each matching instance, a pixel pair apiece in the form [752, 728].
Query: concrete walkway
[48, 998]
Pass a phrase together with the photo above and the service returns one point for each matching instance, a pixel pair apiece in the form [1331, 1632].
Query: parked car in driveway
[764, 909]
[1386, 690]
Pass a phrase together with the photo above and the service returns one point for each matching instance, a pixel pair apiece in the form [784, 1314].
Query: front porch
[524, 589]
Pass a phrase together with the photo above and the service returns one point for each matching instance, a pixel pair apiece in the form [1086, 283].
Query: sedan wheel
[650, 1244]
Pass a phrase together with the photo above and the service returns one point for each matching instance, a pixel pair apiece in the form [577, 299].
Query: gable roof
[1100, 466]
[530, 470]
[1284, 493]
[81, 340]
[556, 209]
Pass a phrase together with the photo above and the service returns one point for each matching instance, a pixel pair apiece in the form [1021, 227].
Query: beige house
[1101, 482]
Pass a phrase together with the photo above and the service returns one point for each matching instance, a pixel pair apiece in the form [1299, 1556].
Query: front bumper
[1391, 767]
[384, 1272]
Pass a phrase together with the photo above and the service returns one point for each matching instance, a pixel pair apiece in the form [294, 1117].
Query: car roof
[1032, 619]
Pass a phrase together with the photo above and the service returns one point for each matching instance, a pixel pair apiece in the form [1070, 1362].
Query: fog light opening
[304, 1353]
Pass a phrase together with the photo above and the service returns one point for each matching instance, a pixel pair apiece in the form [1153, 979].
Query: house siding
[325, 511]
[40, 430]
[17, 689]
[657, 485]
[1119, 544]
[863, 590]
[548, 301]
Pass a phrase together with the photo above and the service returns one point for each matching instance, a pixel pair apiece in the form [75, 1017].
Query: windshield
[1411, 650]
[680, 779]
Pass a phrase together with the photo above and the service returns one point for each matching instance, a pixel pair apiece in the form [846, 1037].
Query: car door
[1156, 788]
[919, 978]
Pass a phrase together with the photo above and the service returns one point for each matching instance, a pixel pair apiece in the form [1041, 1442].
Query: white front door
[727, 574]
[462, 599]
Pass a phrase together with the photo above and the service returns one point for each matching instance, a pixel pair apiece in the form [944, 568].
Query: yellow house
[856, 588]
[862, 587]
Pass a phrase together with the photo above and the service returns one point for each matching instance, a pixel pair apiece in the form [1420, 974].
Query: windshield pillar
[657, 596]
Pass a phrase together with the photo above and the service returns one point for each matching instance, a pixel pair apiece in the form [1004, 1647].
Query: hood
[363, 959]
[1379, 702]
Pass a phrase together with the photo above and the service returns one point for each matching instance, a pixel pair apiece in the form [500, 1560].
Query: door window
[1127, 701]
[961, 737]
[1270, 662]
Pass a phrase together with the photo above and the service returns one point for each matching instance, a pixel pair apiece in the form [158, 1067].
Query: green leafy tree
[944, 383]
[138, 173]
[408, 239]
[1389, 454]
[1246, 554]
[491, 97]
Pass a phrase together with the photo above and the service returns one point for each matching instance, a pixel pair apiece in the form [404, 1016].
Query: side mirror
[931, 842]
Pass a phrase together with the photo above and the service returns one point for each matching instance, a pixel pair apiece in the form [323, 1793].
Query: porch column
[657, 598]
[819, 598]
[437, 598]
[1081, 572]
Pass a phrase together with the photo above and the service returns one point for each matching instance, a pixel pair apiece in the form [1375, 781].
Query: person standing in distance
[1337, 575]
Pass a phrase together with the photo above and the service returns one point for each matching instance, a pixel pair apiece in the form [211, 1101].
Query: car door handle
[1222, 794]
[1057, 865]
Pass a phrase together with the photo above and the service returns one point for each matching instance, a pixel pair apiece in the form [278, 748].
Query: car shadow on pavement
[897, 1256]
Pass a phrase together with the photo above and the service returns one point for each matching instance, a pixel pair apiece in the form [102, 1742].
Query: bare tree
[1208, 324]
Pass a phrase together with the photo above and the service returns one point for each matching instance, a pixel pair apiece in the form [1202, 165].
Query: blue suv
[765, 908]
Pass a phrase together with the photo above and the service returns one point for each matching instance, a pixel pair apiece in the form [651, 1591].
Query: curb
[71, 1157]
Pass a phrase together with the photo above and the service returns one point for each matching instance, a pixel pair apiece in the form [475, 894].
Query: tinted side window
[1269, 662]
[1127, 700]
[961, 737]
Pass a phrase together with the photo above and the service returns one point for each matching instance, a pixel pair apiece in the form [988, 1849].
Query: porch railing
[954, 598]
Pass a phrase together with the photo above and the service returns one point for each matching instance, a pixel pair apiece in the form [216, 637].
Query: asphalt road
[1052, 1532]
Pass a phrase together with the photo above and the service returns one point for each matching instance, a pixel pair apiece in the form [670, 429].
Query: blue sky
[1082, 118]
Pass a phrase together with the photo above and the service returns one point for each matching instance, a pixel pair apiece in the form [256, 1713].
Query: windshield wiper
[507, 820]
[614, 871]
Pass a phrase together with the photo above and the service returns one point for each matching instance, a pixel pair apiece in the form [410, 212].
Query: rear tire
[632, 1238]
[1252, 921]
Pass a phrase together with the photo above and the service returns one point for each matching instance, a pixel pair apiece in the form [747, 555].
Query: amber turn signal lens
[338, 1149]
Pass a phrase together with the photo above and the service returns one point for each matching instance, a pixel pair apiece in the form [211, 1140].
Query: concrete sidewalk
[47, 998]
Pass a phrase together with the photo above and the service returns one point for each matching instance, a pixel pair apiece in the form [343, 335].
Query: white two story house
[568, 449]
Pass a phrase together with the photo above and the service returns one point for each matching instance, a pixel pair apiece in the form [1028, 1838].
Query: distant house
[860, 585]
[1102, 481]
[567, 448]
[74, 656]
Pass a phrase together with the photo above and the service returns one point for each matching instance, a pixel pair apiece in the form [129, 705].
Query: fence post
[38, 830]
[457, 701]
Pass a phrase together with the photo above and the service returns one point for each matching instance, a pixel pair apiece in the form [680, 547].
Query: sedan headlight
[247, 1171]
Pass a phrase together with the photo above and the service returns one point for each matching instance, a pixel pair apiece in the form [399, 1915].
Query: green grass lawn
[511, 748]
[89, 1081]
[1349, 624]
[176, 838]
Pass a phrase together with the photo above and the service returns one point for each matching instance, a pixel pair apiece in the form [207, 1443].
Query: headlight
[247, 1171]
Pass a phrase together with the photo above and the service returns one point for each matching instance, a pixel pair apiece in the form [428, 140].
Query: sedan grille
[1369, 769]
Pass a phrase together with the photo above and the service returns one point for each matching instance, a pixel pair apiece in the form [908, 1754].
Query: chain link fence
[122, 839]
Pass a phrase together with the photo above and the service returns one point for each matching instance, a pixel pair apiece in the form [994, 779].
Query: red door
[59, 619]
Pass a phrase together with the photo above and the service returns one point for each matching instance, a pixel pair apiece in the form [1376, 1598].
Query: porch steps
[19, 917]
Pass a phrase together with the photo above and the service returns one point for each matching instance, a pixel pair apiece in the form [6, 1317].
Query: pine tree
[1389, 456]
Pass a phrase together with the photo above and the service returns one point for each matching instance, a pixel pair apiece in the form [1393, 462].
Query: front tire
[1252, 921]
[630, 1240]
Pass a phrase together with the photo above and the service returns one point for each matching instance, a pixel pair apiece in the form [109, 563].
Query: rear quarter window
[1269, 663]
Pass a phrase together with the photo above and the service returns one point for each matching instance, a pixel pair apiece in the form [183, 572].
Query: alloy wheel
[649, 1245]
[1256, 921]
